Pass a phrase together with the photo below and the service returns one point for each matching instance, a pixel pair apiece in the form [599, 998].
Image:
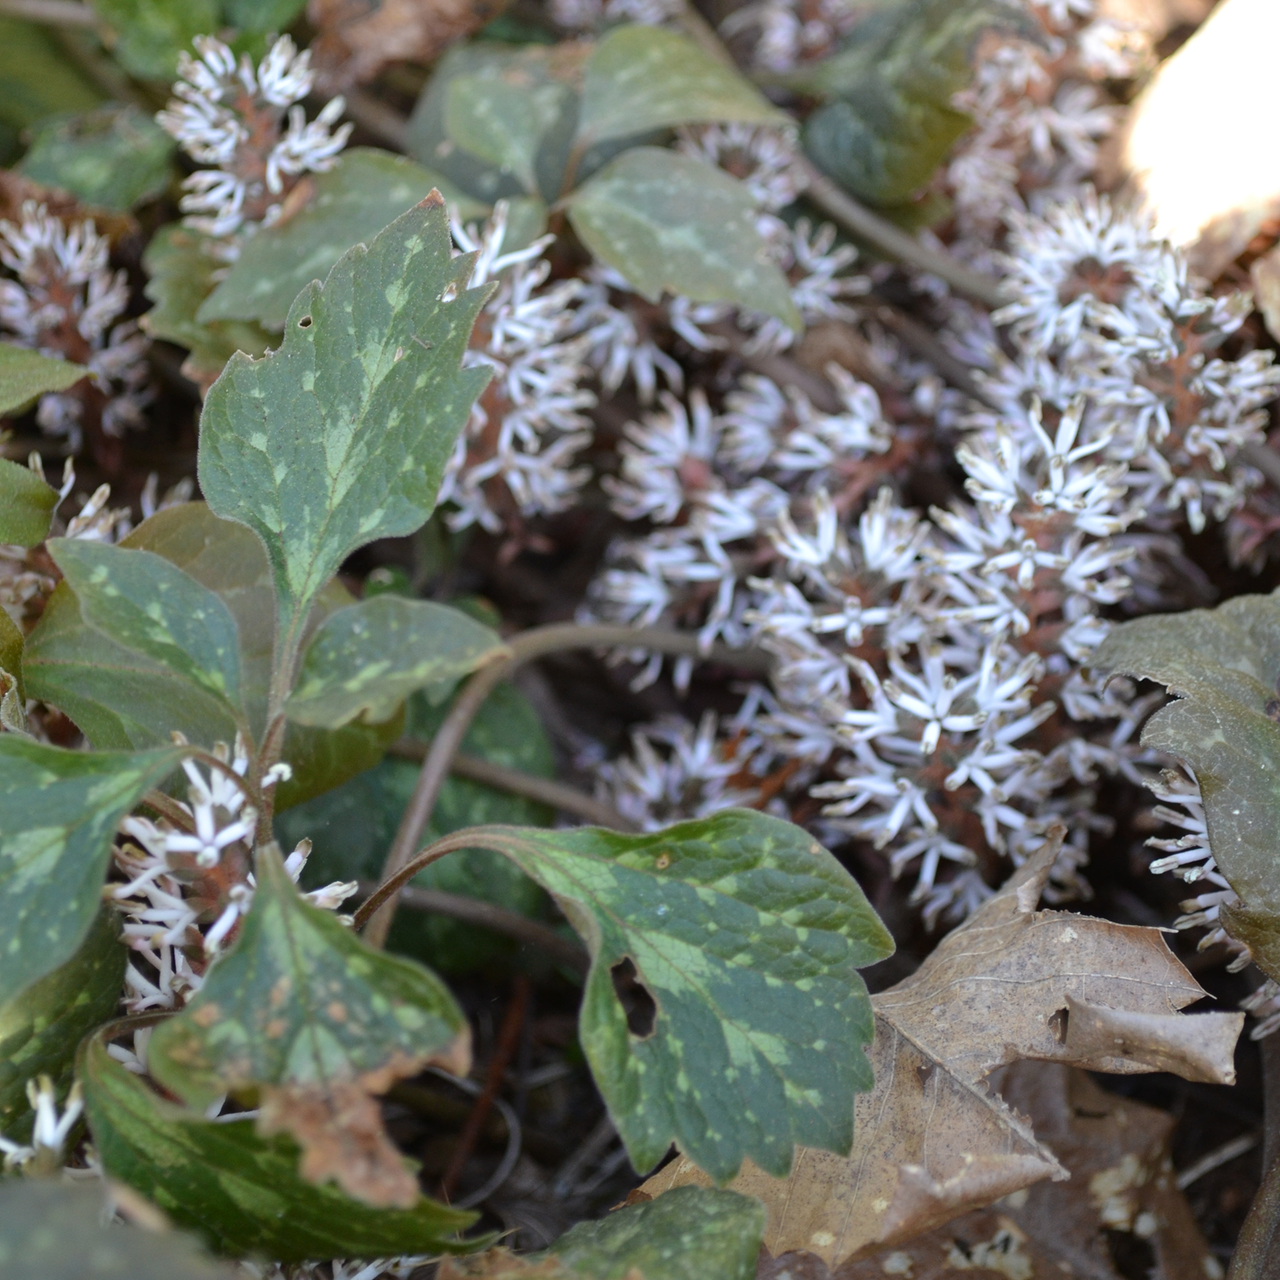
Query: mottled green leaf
[145, 604]
[54, 1230]
[11, 652]
[242, 1192]
[122, 699]
[747, 937]
[352, 827]
[889, 120]
[669, 222]
[26, 504]
[150, 34]
[514, 103]
[24, 375]
[41, 1029]
[486, 63]
[111, 158]
[262, 15]
[677, 1236]
[368, 658]
[312, 1019]
[641, 78]
[37, 80]
[1223, 666]
[341, 436]
[181, 265]
[58, 813]
[299, 999]
[119, 698]
[365, 191]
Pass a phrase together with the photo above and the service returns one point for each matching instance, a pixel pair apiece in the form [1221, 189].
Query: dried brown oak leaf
[932, 1140]
[1120, 1205]
[355, 39]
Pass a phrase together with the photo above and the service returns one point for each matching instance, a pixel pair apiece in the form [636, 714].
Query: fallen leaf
[357, 38]
[934, 1139]
[1120, 1202]
[1210, 185]
[1265, 274]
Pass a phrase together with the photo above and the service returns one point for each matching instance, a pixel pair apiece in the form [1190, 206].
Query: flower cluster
[515, 459]
[1040, 115]
[247, 125]
[187, 881]
[65, 301]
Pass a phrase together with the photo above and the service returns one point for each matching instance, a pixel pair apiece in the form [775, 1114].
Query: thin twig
[545, 790]
[881, 234]
[1216, 1158]
[55, 13]
[375, 117]
[524, 648]
[503, 1049]
[458, 906]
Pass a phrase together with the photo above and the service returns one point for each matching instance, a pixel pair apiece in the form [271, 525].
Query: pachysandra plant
[217, 670]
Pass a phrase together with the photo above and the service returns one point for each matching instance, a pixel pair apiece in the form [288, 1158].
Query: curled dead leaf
[934, 1139]
[1198, 1048]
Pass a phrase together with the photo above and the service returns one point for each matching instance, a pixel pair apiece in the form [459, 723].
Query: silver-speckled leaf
[368, 658]
[144, 603]
[41, 1028]
[58, 813]
[669, 222]
[1223, 665]
[737, 941]
[365, 191]
[54, 1230]
[314, 1020]
[641, 78]
[240, 1191]
[341, 436]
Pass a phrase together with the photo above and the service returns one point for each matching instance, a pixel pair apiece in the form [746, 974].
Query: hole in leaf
[305, 322]
[640, 1007]
[1058, 1024]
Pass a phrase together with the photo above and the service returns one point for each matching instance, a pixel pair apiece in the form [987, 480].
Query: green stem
[524, 648]
[1257, 1252]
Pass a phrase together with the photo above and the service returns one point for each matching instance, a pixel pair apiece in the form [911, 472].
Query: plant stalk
[524, 648]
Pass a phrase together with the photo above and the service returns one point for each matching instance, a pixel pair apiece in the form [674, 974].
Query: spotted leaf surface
[368, 658]
[146, 604]
[641, 78]
[677, 1237]
[241, 1191]
[340, 436]
[736, 940]
[304, 1012]
[24, 375]
[58, 812]
[54, 1230]
[669, 222]
[365, 191]
[41, 1028]
[1223, 665]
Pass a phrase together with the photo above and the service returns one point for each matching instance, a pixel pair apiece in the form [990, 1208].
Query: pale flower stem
[524, 648]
